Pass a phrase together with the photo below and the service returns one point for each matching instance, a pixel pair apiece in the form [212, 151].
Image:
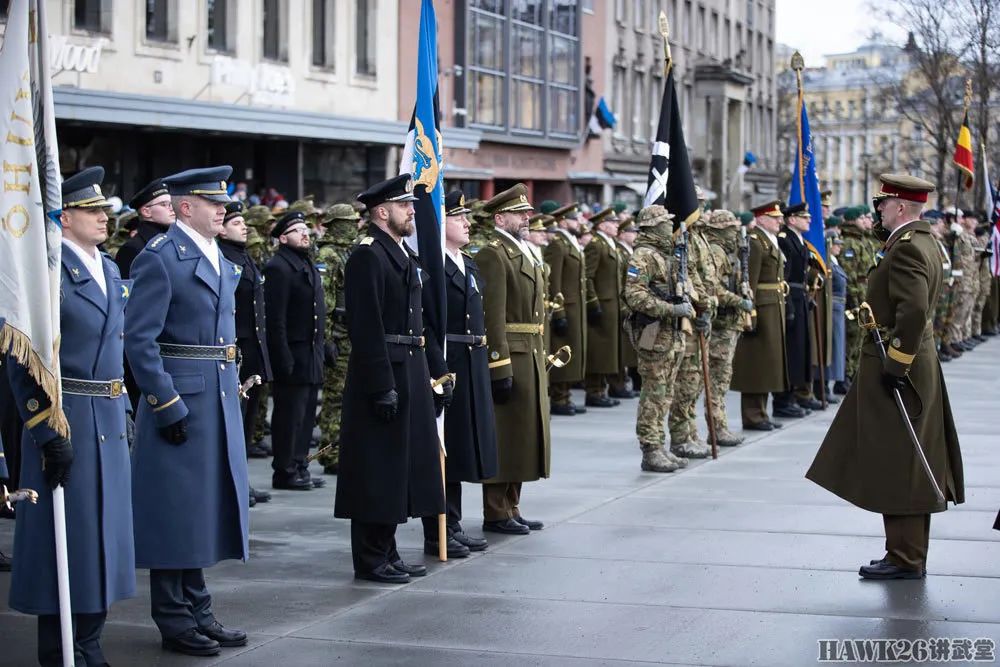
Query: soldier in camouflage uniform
[123, 228]
[983, 276]
[940, 232]
[722, 233]
[260, 220]
[653, 325]
[684, 440]
[334, 247]
[855, 258]
[963, 270]
[481, 231]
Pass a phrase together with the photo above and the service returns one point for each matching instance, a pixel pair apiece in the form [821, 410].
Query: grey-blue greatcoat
[835, 372]
[190, 500]
[98, 494]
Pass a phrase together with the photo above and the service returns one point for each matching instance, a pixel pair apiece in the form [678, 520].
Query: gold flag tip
[664, 24]
[798, 62]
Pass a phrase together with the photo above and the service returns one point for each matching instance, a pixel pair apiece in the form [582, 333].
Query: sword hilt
[866, 318]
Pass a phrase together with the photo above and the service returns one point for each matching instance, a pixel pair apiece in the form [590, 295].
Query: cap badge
[97, 189]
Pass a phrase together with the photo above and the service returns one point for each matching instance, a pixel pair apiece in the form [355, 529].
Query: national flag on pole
[992, 202]
[30, 240]
[671, 182]
[423, 159]
[963, 158]
[805, 185]
[601, 119]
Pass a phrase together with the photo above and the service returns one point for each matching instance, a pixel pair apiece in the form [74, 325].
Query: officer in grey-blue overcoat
[189, 468]
[98, 492]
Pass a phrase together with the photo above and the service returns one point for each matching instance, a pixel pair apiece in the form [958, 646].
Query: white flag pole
[62, 572]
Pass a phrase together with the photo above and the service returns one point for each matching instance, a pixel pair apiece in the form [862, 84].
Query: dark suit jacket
[296, 317]
[251, 326]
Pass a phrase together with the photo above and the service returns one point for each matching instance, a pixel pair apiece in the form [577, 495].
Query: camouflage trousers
[721, 349]
[658, 371]
[960, 316]
[260, 425]
[941, 321]
[982, 297]
[687, 389]
[853, 339]
[329, 411]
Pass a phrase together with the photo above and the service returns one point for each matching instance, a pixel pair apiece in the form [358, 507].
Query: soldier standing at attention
[759, 365]
[867, 457]
[335, 245]
[604, 277]
[654, 324]
[621, 386]
[855, 258]
[189, 466]
[389, 451]
[568, 278]
[514, 305]
[797, 309]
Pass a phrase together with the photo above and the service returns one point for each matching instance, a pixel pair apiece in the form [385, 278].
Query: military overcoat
[568, 278]
[630, 358]
[798, 313]
[604, 287]
[867, 457]
[251, 325]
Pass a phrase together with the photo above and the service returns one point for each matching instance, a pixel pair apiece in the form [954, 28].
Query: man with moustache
[797, 308]
[514, 303]
[189, 467]
[389, 451]
[296, 323]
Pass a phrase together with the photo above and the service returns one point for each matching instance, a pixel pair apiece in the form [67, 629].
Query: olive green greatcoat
[629, 357]
[604, 287]
[819, 274]
[759, 365]
[867, 457]
[514, 298]
[569, 278]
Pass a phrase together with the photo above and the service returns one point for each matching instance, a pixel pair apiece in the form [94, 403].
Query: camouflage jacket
[650, 278]
[726, 264]
[856, 259]
[963, 262]
[331, 258]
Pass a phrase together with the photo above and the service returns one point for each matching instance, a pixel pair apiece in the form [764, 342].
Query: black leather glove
[560, 326]
[176, 433]
[890, 381]
[57, 458]
[330, 353]
[386, 405]
[594, 315]
[502, 390]
[129, 429]
[443, 400]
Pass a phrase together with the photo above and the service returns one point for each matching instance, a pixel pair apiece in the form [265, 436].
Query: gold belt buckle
[421, 341]
[231, 353]
[116, 388]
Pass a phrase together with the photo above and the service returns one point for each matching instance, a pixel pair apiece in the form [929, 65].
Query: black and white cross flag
[671, 183]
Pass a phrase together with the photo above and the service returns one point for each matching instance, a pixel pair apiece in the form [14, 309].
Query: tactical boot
[654, 459]
[679, 460]
[692, 450]
[726, 439]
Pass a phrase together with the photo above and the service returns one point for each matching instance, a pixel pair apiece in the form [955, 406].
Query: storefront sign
[68, 57]
[267, 84]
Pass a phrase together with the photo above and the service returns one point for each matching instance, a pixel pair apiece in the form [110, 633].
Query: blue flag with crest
[805, 184]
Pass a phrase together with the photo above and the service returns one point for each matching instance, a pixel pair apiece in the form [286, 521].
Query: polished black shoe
[759, 426]
[317, 482]
[532, 525]
[810, 404]
[5, 562]
[506, 526]
[472, 543]
[944, 357]
[966, 346]
[412, 570]
[886, 570]
[775, 425]
[840, 388]
[601, 402]
[580, 410]
[980, 337]
[266, 446]
[255, 451]
[563, 410]
[192, 642]
[622, 393]
[455, 548]
[287, 483]
[954, 350]
[883, 559]
[385, 574]
[225, 637]
[251, 501]
[790, 412]
[259, 496]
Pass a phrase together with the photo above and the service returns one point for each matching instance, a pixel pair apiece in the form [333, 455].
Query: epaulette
[495, 243]
[906, 235]
[466, 253]
[157, 242]
[368, 240]
[754, 237]
[782, 235]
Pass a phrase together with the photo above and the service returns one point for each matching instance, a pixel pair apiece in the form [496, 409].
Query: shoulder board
[368, 240]
[782, 235]
[157, 242]
[906, 236]
[466, 254]
[754, 236]
[495, 243]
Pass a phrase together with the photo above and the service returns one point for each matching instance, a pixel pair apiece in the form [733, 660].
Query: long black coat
[388, 471]
[469, 436]
[251, 325]
[797, 344]
[296, 317]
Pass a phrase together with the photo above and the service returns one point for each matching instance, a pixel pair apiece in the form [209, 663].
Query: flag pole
[798, 64]
[62, 573]
[966, 102]
[668, 60]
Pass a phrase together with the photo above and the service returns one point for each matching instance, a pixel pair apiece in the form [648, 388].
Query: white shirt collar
[458, 259]
[771, 237]
[94, 265]
[606, 238]
[208, 247]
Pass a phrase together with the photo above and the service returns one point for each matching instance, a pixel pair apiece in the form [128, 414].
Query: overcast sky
[820, 27]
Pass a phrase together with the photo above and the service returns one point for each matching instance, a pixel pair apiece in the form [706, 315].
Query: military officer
[622, 386]
[181, 345]
[856, 259]
[759, 365]
[468, 422]
[251, 326]
[797, 344]
[514, 305]
[568, 287]
[98, 492]
[296, 323]
[604, 278]
[867, 457]
[341, 223]
[389, 451]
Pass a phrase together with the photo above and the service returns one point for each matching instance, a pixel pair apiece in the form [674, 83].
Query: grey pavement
[738, 561]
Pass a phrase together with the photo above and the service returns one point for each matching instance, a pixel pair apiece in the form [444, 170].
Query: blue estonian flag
[423, 159]
[805, 184]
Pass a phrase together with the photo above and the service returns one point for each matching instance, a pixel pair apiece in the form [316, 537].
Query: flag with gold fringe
[963, 158]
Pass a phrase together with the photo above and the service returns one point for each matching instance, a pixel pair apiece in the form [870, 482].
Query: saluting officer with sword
[892, 448]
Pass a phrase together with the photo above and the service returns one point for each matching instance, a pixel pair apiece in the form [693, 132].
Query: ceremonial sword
[867, 319]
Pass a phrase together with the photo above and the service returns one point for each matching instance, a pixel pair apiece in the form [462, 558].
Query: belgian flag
[963, 153]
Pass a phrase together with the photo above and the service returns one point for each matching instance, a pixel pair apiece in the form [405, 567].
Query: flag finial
[798, 63]
[664, 25]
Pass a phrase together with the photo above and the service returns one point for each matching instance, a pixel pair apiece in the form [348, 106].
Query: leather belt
[467, 339]
[412, 341]
[210, 352]
[778, 287]
[525, 328]
[801, 286]
[98, 388]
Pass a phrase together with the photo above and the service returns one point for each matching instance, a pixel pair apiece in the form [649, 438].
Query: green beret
[548, 206]
[832, 221]
[619, 206]
[852, 214]
[746, 217]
